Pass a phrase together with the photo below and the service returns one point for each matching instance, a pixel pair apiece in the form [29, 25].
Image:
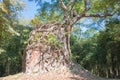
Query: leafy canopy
[51, 10]
[9, 10]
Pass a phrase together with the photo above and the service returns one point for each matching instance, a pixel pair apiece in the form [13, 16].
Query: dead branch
[62, 5]
[97, 15]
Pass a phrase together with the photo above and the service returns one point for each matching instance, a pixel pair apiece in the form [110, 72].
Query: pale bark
[41, 55]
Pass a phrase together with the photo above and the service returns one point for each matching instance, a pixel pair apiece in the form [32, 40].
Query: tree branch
[83, 13]
[79, 16]
[85, 4]
[97, 15]
[62, 5]
[74, 1]
[106, 10]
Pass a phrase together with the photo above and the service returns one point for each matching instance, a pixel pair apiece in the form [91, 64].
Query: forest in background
[97, 50]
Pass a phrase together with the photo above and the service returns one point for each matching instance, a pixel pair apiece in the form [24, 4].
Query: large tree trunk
[48, 48]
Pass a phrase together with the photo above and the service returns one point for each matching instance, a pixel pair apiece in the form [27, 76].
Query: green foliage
[79, 6]
[13, 47]
[52, 40]
[35, 21]
[8, 16]
[36, 37]
[99, 53]
[100, 6]
[10, 60]
[49, 16]
[90, 52]
[109, 46]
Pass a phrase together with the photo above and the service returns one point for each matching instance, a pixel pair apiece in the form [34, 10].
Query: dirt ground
[59, 74]
[62, 73]
[52, 76]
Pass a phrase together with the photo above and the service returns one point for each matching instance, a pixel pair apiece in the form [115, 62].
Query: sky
[30, 9]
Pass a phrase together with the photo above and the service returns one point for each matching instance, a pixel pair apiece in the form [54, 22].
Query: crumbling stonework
[47, 49]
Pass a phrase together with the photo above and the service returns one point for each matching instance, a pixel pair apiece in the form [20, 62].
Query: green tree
[70, 12]
[99, 53]
[9, 10]
[11, 59]
[8, 17]
[108, 49]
